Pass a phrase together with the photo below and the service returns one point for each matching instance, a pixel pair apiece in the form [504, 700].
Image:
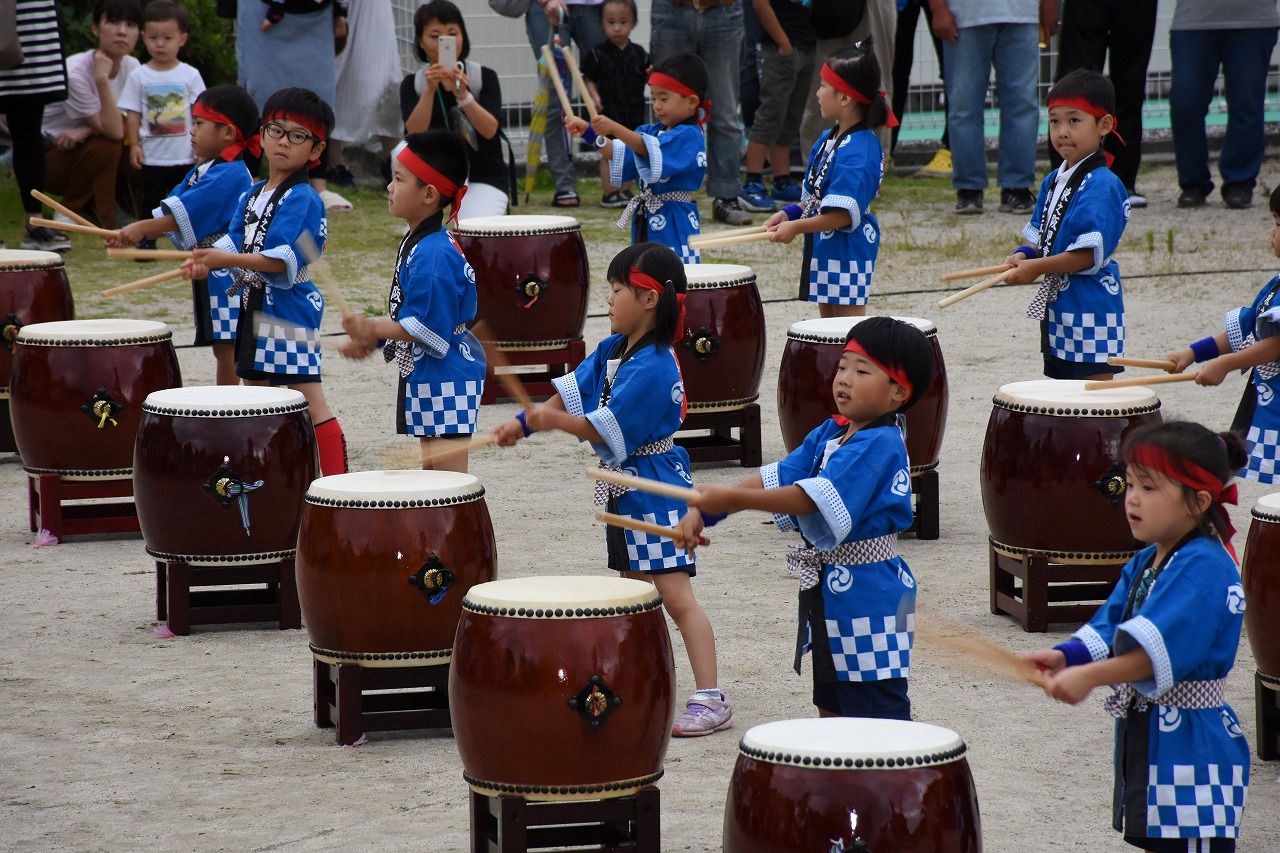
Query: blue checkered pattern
[839, 282]
[1262, 455]
[654, 553]
[1196, 801]
[292, 350]
[1085, 337]
[871, 648]
[449, 408]
[690, 256]
[224, 311]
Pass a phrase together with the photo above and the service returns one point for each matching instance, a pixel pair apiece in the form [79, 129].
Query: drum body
[1261, 573]
[532, 278]
[808, 368]
[33, 289]
[384, 560]
[198, 449]
[77, 393]
[1050, 471]
[562, 687]
[820, 785]
[722, 350]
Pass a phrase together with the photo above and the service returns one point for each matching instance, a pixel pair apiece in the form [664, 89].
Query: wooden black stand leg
[189, 595]
[1035, 589]
[49, 506]
[1266, 691]
[924, 486]
[508, 824]
[347, 698]
[720, 445]
[551, 364]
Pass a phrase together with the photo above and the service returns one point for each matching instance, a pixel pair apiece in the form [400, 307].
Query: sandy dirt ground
[112, 739]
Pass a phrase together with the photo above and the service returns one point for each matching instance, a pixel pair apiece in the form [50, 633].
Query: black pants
[25, 115]
[157, 182]
[904, 47]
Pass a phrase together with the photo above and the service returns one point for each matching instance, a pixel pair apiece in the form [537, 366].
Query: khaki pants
[86, 175]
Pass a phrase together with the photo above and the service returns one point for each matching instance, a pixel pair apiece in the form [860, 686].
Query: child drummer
[847, 489]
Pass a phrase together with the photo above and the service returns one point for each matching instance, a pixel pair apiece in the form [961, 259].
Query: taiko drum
[384, 561]
[721, 351]
[827, 784]
[1051, 473]
[562, 687]
[532, 278]
[219, 473]
[77, 392]
[33, 289]
[809, 364]
[1261, 573]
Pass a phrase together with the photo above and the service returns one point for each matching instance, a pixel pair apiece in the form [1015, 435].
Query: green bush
[211, 47]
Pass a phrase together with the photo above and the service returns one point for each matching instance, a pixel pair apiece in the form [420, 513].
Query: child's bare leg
[830, 309]
[444, 453]
[699, 638]
[316, 403]
[224, 359]
[780, 161]
[605, 186]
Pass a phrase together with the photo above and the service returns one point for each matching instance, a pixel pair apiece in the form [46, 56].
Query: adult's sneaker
[44, 239]
[1017, 201]
[1192, 196]
[968, 202]
[704, 713]
[728, 211]
[1137, 199]
[753, 197]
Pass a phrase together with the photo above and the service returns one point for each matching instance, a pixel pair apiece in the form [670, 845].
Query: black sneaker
[1237, 196]
[728, 211]
[340, 176]
[968, 202]
[45, 240]
[614, 199]
[1017, 201]
[1192, 197]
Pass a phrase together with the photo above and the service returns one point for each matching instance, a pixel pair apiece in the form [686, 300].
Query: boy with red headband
[224, 126]
[847, 490]
[278, 332]
[433, 296]
[668, 157]
[1076, 226]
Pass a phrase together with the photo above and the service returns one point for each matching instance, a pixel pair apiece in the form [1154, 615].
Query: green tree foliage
[211, 47]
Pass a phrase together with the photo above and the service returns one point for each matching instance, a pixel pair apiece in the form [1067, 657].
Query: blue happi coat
[1245, 327]
[844, 174]
[676, 162]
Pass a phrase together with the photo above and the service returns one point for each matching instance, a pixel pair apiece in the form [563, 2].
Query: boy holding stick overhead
[278, 331]
[440, 363]
[847, 489]
[1079, 217]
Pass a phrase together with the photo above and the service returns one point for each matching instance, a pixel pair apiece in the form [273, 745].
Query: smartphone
[447, 52]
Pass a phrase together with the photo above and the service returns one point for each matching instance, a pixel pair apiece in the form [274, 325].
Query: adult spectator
[904, 50]
[713, 30]
[368, 74]
[978, 35]
[578, 22]
[1098, 33]
[85, 133]
[1238, 37]
[39, 79]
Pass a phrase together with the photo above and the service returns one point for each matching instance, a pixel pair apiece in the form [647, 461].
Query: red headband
[253, 144]
[894, 373]
[647, 282]
[843, 87]
[671, 84]
[1085, 105]
[422, 170]
[1192, 475]
[317, 129]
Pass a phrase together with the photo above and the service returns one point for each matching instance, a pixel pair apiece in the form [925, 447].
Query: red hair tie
[894, 373]
[843, 87]
[636, 278]
[1156, 458]
[422, 170]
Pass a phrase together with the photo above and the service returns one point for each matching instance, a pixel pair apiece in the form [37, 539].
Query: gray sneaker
[728, 211]
[703, 715]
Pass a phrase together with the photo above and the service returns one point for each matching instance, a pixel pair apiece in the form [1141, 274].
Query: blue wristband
[1029, 251]
[1205, 349]
[1075, 652]
[793, 211]
[589, 136]
[524, 425]
[711, 519]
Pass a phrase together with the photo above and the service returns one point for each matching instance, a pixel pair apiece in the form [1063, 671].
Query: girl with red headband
[627, 400]
[841, 235]
[1166, 639]
[224, 126]
[440, 363]
[847, 490]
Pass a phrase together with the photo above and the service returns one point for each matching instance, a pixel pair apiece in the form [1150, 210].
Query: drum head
[560, 596]
[1268, 507]
[843, 743]
[1067, 398]
[702, 276]
[833, 330]
[90, 333]
[395, 489]
[221, 401]
[24, 259]
[516, 226]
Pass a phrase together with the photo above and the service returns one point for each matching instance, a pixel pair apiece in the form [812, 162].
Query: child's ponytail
[859, 70]
[662, 265]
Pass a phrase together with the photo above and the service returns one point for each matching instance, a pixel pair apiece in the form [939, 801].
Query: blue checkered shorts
[1262, 455]
[648, 553]
[1196, 801]
[445, 408]
[871, 647]
[1085, 337]
[839, 282]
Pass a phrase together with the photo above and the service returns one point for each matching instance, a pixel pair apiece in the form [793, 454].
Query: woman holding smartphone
[456, 94]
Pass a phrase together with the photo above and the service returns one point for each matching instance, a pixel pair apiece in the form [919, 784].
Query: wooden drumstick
[91, 230]
[320, 270]
[476, 442]
[642, 526]
[565, 104]
[698, 240]
[583, 91]
[642, 484]
[976, 288]
[974, 273]
[1156, 363]
[732, 241]
[61, 208]
[934, 629]
[143, 282]
[1138, 381]
[150, 254]
[509, 381]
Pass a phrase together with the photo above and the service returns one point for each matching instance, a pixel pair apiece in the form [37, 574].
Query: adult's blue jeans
[716, 36]
[1012, 50]
[1243, 56]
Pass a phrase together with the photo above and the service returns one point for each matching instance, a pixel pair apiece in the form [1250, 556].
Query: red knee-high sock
[332, 444]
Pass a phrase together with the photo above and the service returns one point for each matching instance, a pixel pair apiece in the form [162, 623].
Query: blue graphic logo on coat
[839, 579]
[1231, 724]
[701, 160]
[905, 576]
[465, 349]
[869, 231]
[657, 222]
[1265, 395]
[826, 235]
[693, 221]
[469, 273]
[684, 475]
[1235, 599]
[316, 300]
[1170, 718]
[1110, 283]
[677, 394]
[901, 482]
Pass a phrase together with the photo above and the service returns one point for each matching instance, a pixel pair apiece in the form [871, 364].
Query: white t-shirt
[82, 93]
[163, 99]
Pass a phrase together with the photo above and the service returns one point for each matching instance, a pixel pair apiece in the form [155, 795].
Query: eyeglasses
[297, 137]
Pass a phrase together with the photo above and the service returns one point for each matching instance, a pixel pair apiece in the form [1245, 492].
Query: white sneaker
[703, 714]
[333, 201]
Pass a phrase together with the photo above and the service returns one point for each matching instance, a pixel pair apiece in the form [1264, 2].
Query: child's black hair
[1087, 84]
[159, 11]
[664, 266]
[900, 346]
[689, 69]
[445, 13]
[631, 7]
[1275, 200]
[234, 103]
[302, 102]
[1221, 454]
[443, 150]
[858, 66]
[117, 11]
